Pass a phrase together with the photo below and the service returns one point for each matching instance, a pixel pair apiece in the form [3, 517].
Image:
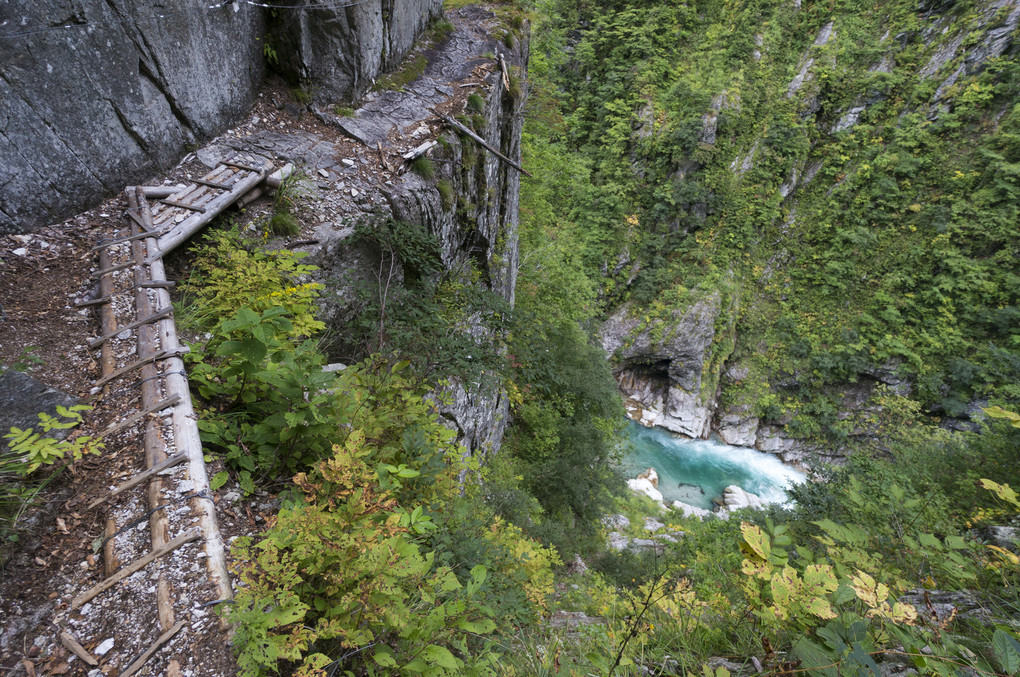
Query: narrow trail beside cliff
[350, 167]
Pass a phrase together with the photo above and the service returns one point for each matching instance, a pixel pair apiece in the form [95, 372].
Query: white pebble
[104, 647]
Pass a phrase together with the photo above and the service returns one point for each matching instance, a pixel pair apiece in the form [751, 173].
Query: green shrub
[230, 273]
[423, 167]
[283, 223]
[476, 103]
[445, 189]
[440, 30]
[26, 451]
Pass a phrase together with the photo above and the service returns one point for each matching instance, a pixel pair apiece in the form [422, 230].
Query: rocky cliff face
[818, 239]
[102, 94]
[338, 52]
[114, 97]
[659, 365]
[474, 222]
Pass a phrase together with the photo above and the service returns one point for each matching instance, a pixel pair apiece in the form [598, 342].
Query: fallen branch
[480, 141]
[416, 153]
[141, 477]
[137, 565]
[160, 641]
[72, 645]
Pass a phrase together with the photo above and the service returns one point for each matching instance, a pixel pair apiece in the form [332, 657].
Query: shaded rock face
[124, 92]
[659, 367]
[339, 51]
[21, 400]
[90, 108]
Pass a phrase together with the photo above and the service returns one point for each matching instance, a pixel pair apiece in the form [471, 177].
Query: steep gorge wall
[784, 163]
[338, 53]
[470, 206]
[128, 88]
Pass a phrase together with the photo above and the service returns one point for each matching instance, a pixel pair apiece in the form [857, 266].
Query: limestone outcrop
[659, 365]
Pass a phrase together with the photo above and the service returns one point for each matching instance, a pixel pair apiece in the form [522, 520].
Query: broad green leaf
[384, 657]
[1003, 491]
[817, 659]
[1007, 650]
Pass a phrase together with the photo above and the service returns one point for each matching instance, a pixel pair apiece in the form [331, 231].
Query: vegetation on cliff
[678, 149]
[851, 167]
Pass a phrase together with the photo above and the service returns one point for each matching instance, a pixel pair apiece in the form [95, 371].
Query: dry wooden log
[180, 350]
[72, 645]
[189, 442]
[159, 314]
[182, 205]
[480, 141]
[182, 231]
[119, 240]
[141, 477]
[157, 284]
[276, 179]
[160, 641]
[212, 184]
[92, 302]
[155, 455]
[272, 182]
[252, 195]
[417, 152]
[382, 158]
[138, 416]
[108, 319]
[110, 562]
[241, 165]
[506, 73]
[156, 192]
[137, 565]
[112, 269]
[164, 607]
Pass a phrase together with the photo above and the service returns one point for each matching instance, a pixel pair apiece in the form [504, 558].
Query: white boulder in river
[736, 498]
[645, 486]
[691, 510]
[651, 476]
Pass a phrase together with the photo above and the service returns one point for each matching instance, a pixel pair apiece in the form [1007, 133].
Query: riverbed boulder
[691, 511]
[651, 476]
[643, 486]
[735, 498]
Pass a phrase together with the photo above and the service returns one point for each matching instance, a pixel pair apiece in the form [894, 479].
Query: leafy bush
[26, 451]
[347, 575]
[230, 273]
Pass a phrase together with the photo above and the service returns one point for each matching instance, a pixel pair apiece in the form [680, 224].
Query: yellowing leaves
[755, 542]
[875, 595]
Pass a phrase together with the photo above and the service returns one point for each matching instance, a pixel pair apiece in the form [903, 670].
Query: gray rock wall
[115, 98]
[339, 52]
[124, 92]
